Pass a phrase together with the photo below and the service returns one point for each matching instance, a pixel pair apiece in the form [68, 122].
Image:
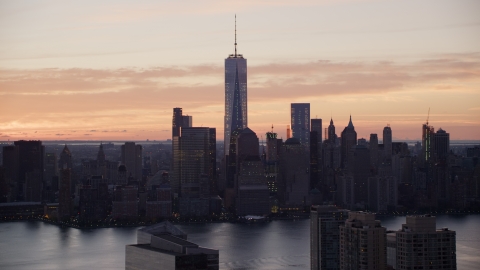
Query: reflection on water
[274, 245]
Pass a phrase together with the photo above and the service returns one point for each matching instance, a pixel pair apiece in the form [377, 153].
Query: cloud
[135, 99]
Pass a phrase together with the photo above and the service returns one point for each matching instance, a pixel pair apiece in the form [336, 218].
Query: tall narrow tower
[235, 94]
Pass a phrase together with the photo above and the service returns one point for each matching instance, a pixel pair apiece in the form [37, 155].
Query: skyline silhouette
[113, 72]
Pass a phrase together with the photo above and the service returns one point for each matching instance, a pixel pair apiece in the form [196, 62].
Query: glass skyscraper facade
[235, 96]
[300, 120]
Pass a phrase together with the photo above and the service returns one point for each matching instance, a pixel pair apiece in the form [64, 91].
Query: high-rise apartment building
[300, 122]
[325, 236]
[363, 243]
[235, 95]
[419, 245]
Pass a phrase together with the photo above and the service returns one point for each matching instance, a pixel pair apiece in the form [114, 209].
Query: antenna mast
[235, 35]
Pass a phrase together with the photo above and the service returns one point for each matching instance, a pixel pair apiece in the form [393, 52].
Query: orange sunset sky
[113, 70]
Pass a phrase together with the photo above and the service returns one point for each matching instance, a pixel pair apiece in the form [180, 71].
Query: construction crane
[428, 115]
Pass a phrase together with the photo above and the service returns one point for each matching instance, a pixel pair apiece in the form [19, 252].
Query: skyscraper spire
[235, 35]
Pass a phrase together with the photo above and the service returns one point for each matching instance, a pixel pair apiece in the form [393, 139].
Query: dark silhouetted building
[294, 170]
[65, 202]
[349, 139]
[131, 157]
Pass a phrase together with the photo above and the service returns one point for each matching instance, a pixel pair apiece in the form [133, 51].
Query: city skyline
[113, 72]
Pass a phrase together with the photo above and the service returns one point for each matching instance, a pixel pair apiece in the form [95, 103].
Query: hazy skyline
[116, 69]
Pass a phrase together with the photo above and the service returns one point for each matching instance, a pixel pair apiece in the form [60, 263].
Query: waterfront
[274, 245]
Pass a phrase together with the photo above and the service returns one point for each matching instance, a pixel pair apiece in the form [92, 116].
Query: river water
[274, 245]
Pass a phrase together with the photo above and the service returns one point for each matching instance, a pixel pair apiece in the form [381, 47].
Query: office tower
[349, 139]
[363, 243]
[378, 194]
[51, 168]
[10, 165]
[441, 144]
[101, 162]
[272, 146]
[325, 236]
[180, 121]
[294, 170]
[65, 203]
[187, 121]
[289, 132]
[387, 143]
[30, 169]
[196, 161]
[316, 162]
[4, 187]
[159, 202]
[247, 145]
[235, 95]
[331, 133]
[125, 203]
[65, 161]
[50, 177]
[362, 141]
[251, 183]
[360, 167]
[344, 189]
[177, 121]
[419, 245]
[92, 205]
[197, 169]
[300, 121]
[164, 246]
[316, 125]
[131, 157]
[373, 147]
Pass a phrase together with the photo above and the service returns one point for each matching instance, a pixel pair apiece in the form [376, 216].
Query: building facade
[300, 122]
[325, 236]
[363, 243]
[419, 245]
[235, 96]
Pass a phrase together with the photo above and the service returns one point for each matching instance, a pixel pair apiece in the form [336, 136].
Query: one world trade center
[235, 94]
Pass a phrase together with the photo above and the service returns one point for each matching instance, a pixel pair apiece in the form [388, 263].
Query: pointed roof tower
[350, 124]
